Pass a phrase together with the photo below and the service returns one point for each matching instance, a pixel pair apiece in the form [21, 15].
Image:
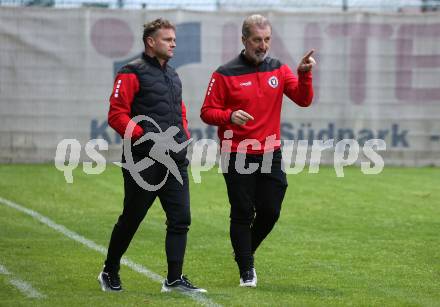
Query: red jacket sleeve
[185, 120]
[119, 115]
[214, 110]
[299, 90]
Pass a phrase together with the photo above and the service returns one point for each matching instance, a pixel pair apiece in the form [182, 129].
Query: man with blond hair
[149, 87]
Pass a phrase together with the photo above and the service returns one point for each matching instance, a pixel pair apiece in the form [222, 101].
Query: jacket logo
[273, 81]
[249, 83]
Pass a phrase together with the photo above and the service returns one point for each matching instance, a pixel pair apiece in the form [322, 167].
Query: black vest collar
[154, 61]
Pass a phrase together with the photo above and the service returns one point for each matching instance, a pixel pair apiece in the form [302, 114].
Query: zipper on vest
[171, 102]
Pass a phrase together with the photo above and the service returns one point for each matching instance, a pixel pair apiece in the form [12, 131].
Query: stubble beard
[258, 57]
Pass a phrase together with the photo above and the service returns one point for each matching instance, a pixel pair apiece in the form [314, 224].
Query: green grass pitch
[359, 240]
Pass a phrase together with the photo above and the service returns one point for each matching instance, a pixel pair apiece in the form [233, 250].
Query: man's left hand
[307, 62]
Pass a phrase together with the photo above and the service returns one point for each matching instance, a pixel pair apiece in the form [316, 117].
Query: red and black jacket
[258, 90]
[144, 87]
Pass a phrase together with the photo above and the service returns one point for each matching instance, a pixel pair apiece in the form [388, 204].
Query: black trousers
[174, 198]
[255, 204]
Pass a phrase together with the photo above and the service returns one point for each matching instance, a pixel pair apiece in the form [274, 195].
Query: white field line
[21, 285]
[4, 271]
[200, 298]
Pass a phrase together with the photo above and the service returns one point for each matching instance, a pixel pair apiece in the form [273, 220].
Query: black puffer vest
[160, 98]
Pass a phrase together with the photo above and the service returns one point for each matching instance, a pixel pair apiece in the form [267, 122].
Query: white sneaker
[183, 285]
[249, 279]
[109, 282]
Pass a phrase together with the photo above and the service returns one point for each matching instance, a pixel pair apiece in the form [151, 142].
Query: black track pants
[174, 198]
[255, 201]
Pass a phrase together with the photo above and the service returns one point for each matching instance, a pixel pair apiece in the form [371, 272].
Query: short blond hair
[152, 27]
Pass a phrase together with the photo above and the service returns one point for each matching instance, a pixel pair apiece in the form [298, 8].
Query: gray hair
[254, 20]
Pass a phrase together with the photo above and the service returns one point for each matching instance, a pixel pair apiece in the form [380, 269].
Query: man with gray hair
[244, 100]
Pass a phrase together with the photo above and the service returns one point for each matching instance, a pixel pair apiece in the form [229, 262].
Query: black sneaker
[183, 285]
[109, 281]
[248, 278]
